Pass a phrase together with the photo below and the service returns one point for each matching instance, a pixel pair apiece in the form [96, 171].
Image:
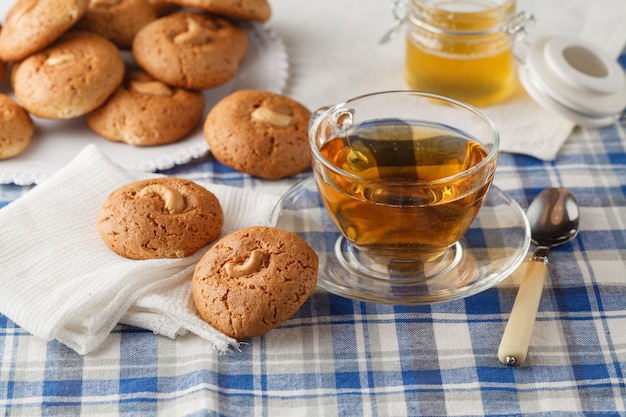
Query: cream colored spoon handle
[516, 338]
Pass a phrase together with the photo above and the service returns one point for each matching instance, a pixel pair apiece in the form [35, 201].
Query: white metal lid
[575, 79]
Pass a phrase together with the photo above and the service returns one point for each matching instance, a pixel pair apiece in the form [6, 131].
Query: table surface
[336, 356]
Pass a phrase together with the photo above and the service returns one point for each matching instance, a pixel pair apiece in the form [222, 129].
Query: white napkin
[60, 281]
[356, 64]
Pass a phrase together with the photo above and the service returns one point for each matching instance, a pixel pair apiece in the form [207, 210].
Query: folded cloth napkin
[60, 281]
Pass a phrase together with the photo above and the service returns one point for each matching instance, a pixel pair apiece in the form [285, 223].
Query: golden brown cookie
[31, 25]
[3, 70]
[244, 9]
[260, 133]
[253, 280]
[191, 50]
[160, 218]
[70, 78]
[163, 7]
[3, 65]
[16, 128]
[160, 114]
[117, 20]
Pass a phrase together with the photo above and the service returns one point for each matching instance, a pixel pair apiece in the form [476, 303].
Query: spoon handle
[516, 338]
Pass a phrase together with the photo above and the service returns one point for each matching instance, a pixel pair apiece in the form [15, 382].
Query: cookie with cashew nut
[261, 133]
[3, 65]
[16, 128]
[191, 50]
[117, 20]
[163, 7]
[161, 114]
[32, 25]
[70, 78]
[160, 218]
[259, 10]
[3, 68]
[253, 280]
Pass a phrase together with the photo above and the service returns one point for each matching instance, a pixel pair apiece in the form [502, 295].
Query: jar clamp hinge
[399, 9]
[517, 24]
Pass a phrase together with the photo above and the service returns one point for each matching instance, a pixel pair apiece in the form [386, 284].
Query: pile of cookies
[66, 61]
[246, 284]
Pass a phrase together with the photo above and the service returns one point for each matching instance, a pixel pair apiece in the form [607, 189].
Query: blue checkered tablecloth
[342, 357]
[336, 356]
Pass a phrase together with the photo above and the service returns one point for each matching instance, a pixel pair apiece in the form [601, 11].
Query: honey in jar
[461, 49]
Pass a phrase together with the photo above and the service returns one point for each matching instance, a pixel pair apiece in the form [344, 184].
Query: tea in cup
[402, 174]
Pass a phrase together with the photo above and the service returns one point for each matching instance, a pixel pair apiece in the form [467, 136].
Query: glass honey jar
[463, 48]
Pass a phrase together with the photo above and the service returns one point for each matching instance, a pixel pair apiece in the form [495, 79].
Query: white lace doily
[57, 142]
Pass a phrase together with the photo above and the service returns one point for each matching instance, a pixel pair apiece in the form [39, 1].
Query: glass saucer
[493, 247]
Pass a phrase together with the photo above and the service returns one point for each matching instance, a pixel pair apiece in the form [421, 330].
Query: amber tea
[408, 190]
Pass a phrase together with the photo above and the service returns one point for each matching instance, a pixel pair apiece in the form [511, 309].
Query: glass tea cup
[403, 175]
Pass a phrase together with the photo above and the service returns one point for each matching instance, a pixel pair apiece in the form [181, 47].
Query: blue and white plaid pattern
[342, 357]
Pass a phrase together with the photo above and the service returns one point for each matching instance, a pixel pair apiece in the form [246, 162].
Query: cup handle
[316, 115]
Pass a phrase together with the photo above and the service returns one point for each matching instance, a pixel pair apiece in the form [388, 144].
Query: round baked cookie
[163, 7]
[160, 218]
[160, 114]
[3, 65]
[191, 50]
[117, 20]
[16, 128]
[260, 133]
[253, 280]
[31, 25]
[3, 71]
[70, 78]
[259, 10]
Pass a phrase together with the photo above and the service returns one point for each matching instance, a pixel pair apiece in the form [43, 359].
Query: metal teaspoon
[553, 216]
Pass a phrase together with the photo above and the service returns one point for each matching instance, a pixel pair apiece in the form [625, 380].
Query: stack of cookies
[66, 62]
[246, 284]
